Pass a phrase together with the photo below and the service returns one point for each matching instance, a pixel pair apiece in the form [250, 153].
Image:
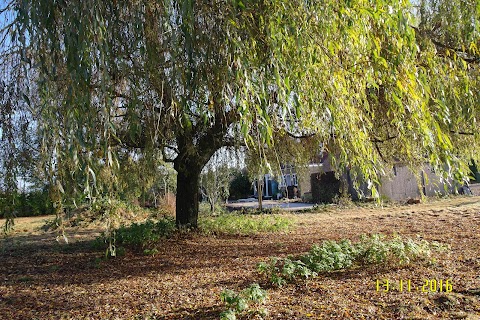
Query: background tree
[363, 78]
[218, 174]
[19, 149]
[215, 183]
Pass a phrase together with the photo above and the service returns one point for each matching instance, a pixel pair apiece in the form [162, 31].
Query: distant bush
[248, 301]
[325, 187]
[232, 223]
[204, 210]
[264, 211]
[240, 186]
[166, 205]
[332, 255]
[307, 197]
[28, 204]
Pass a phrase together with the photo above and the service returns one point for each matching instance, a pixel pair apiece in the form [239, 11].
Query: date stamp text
[405, 285]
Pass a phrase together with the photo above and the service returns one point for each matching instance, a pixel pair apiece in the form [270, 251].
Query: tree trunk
[188, 184]
[212, 206]
[260, 193]
[189, 163]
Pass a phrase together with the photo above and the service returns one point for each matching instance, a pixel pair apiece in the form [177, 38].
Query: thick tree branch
[379, 151]
[377, 140]
[463, 133]
[462, 53]
[302, 136]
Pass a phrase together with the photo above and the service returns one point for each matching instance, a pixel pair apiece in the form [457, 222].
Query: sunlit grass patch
[233, 223]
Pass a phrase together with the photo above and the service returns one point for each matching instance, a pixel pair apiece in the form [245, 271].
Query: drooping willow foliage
[373, 82]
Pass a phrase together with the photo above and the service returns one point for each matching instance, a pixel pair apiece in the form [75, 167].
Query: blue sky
[5, 18]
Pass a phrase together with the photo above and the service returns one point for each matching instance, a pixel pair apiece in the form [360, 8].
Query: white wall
[401, 185]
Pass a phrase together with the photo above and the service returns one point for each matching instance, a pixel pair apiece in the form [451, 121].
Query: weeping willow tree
[372, 81]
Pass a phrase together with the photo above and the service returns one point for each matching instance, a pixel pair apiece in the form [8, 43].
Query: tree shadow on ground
[45, 261]
[212, 312]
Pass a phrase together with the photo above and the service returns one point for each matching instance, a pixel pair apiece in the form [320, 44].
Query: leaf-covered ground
[44, 279]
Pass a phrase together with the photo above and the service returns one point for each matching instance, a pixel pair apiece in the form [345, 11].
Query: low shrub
[138, 236]
[332, 255]
[375, 249]
[103, 211]
[248, 301]
[232, 223]
[144, 235]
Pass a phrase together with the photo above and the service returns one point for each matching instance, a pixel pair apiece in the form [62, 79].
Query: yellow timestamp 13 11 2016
[428, 285]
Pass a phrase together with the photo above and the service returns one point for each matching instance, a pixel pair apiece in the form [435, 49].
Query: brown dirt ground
[43, 279]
